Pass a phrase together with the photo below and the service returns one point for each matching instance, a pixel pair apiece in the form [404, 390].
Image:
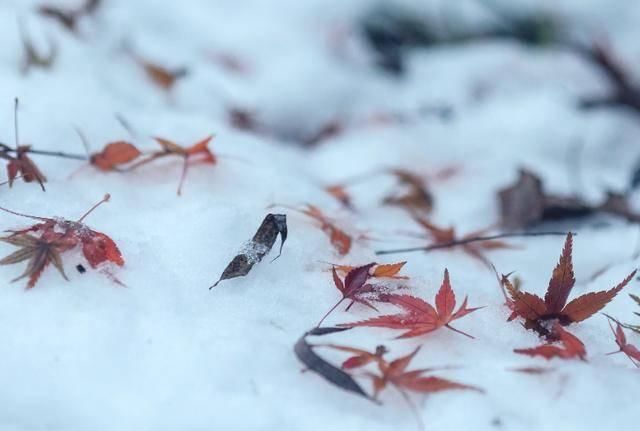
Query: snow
[166, 353]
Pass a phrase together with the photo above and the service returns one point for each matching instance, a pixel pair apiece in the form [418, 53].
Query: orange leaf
[389, 270]
[114, 154]
[340, 240]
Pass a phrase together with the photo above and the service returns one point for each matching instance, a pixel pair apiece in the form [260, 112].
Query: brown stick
[469, 240]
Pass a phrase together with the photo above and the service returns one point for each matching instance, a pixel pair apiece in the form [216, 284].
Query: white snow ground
[168, 354]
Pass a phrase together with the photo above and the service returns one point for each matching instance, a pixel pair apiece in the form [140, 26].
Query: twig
[6, 149]
[470, 240]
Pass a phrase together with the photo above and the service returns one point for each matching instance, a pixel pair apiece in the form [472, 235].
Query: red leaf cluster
[538, 312]
[43, 243]
[394, 373]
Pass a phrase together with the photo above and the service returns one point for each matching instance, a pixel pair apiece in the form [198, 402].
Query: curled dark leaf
[334, 375]
[261, 244]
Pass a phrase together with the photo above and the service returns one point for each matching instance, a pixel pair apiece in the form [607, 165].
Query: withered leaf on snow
[339, 239]
[69, 18]
[630, 350]
[114, 155]
[163, 77]
[261, 243]
[334, 375]
[43, 244]
[32, 57]
[415, 197]
[20, 165]
[625, 92]
[525, 203]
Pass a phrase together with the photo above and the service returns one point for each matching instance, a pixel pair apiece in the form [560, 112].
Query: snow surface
[168, 354]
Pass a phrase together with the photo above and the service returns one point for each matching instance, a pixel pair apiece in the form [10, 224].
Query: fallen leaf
[525, 204]
[571, 347]
[340, 240]
[69, 18]
[444, 236]
[384, 270]
[538, 312]
[196, 153]
[419, 316]
[352, 288]
[114, 155]
[261, 244]
[395, 374]
[334, 375]
[20, 165]
[416, 197]
[361, 357]
[44, 243]
[339, 192]
[32, 57]
[630, 350]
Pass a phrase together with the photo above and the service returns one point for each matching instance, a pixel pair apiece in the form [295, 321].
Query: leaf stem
[459, 331]
[104, 199]
[329, 312]
[469, 240]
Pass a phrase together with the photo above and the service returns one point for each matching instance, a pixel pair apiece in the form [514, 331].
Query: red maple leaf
[540, 314]
[20, 165]
[416, 196]
[571, 347]
[360, 357]
[447, 236]
[114, 155]
[354, 287]
[196, 153]
[419, 316]
[395, 373]
[340, 240]
[390, 373]
[43, 243]
[630, 350]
